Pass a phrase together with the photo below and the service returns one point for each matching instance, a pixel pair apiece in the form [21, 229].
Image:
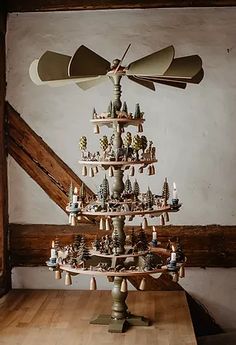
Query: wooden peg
[93, 284]
[149, 171]
[108, 224]
[68, 280]
[182, 271]
[142, 285]
[140, 128]
[84, 170]
[175, 277]
[131, 171]
[95, 170]
[145, 223]
[140, 170]
[91, 173]
[58, 274]
[166, 217]
[96, 129]
[124, 286]
[102, 224]
[153, 170]
[110, 171]
[162, 221]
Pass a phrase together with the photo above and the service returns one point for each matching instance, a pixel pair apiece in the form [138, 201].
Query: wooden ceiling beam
[205, 246]
[70, 5]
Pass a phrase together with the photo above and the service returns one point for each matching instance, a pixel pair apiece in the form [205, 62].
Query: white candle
[53, 251]
[75, 196]
[173, 256]
[154, 234]
[175, 195]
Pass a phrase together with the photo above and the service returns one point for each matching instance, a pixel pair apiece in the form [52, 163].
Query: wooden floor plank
[62, 317]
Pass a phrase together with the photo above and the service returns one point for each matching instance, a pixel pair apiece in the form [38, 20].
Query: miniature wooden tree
[94, 114]
[136, 189]
[115, 242]
[142, 240]
[136, 145]
[128, 187]
[144, 143]
[137, 113]
[165, 192]
[104, 191]
[133, 238]
[83, 144]
[103, 143]
[149, 199]
[77, 241]
[84, 253]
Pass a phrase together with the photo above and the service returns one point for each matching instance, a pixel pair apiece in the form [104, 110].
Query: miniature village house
[111, 114]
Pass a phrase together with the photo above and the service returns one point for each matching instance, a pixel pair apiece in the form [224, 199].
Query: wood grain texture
[62, 317]
[205, 246]
[4, 274]
[40, 161]
[66, 5]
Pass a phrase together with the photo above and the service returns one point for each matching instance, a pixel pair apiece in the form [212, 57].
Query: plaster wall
[193, 129]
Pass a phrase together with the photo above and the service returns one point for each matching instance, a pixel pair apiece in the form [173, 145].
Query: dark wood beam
[39, 161]
[4, 272]
[205, 246]
[68, 5]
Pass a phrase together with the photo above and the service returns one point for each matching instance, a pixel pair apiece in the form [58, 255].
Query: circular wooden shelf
[124, 121]
[158, 211]
[127, 273]
[118, 163]
[122, 256]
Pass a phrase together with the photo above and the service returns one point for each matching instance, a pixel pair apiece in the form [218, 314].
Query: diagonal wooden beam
[40, 161]
[68, 5]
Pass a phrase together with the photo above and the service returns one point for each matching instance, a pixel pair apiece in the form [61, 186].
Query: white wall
[193, 129]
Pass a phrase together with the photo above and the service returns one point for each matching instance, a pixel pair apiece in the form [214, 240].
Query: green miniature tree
[137, 113]
[103, 143]
[76, 243]
[149, 199]
[144, 143]
[115, 242]
[165, 191]
[128, 187]
[136, 189]
[84, 253]
[142, 240]
[83, 143]
[136, 145]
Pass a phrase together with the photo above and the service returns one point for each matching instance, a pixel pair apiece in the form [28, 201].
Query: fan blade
[53, 66]
[143, 82]
[174, 83]
[154, 64]
[33, 72]
[86, 62]
[91, 82]
[184, 67]
[195, 80]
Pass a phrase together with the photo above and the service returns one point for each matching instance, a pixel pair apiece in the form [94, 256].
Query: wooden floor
[33, 317]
